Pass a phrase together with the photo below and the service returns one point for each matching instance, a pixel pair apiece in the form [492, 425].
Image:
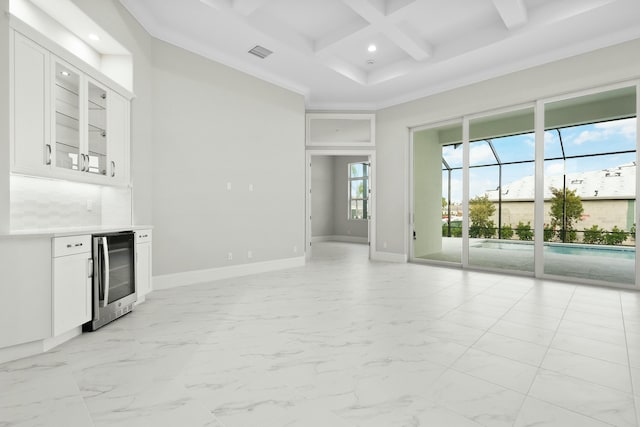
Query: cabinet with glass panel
[67, 116]
[65, 123]
[83, 120]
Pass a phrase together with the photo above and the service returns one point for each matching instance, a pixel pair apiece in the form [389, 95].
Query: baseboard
[167, 281]
[33, 348]
[52, 342]
[336, 238]
[388, 257]
[20, 351]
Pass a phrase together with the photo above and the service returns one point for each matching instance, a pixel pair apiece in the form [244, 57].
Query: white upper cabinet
[118, 138]
[66, 124]
[31, 150]
[67, 92]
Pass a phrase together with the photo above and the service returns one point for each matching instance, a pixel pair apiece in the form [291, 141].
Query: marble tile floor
[344, 342]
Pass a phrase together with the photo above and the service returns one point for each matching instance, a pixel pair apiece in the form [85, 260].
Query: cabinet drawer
[70, 245]
[143, 236]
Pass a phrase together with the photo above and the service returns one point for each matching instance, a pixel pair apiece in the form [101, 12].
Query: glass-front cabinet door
[67, 119]
[81, 119]
[97, 129]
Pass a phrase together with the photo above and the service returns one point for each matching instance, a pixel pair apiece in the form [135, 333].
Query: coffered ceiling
[321, 47]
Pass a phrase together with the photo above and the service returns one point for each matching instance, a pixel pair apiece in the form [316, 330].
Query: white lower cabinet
[143, 263]
[72, 271]
[25, 290]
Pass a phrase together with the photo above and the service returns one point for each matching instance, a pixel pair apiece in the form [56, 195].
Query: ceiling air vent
[260, 52]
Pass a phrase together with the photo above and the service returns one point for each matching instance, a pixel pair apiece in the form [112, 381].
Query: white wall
[213, 126]
[322, 196]
[601, 67]
[427, 172]
[4, 117]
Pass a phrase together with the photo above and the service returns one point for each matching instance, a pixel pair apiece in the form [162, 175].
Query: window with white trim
[358, 190]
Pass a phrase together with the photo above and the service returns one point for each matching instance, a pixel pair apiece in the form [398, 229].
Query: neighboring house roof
[613, 183]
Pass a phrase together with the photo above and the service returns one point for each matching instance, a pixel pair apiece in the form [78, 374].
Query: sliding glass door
[501, 190]
[567, 178]
[590, 186]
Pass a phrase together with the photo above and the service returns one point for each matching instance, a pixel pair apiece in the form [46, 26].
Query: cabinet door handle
[89, 267]
[113, 168]
[48, 159]
[81, 161]
[86, 162]
[105, 263]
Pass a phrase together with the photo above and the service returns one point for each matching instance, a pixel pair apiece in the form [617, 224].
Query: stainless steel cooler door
[121, 267]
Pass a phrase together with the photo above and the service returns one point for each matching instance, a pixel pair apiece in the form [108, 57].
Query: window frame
[366, 170]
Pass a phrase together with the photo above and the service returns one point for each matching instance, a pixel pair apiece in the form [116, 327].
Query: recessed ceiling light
[372, 48]
[65, 73]
[94, 37]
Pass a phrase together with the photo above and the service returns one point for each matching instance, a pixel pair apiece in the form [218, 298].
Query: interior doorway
[340, 198]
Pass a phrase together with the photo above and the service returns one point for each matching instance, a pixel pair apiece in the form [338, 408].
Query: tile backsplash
[38, 203]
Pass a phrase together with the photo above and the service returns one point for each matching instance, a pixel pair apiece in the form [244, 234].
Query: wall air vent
[260, 52]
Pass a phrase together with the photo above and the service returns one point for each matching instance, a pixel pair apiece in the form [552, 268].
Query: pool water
[569, 249]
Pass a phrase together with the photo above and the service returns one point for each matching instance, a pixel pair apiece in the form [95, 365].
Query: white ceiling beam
[512, 12]
[332, 40]
[218, 4]
[281, 33]
[274, 35]
[346, 69]
[417, 48]
[247, 7]
[366, 10]
[394, 6]
[412, 44]
[392, 71]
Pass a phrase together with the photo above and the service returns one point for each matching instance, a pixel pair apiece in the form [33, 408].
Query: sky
[611, 136]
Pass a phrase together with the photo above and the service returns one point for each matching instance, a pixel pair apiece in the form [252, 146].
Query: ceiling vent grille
[260, 52]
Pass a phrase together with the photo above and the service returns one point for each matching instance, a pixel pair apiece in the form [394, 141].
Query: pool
[562, 249]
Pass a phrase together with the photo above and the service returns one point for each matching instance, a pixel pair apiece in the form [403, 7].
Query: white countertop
[73, 231]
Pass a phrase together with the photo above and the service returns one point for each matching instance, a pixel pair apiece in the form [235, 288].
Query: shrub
[571, 235]
[475, 231]
[456, 229]
[549, 233]
[489, 230]
[506, 232]
[524, 231]
[567, 236]
[615, 236]
[594, 235]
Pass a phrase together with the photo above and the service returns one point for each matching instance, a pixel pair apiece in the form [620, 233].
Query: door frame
[371, 154]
